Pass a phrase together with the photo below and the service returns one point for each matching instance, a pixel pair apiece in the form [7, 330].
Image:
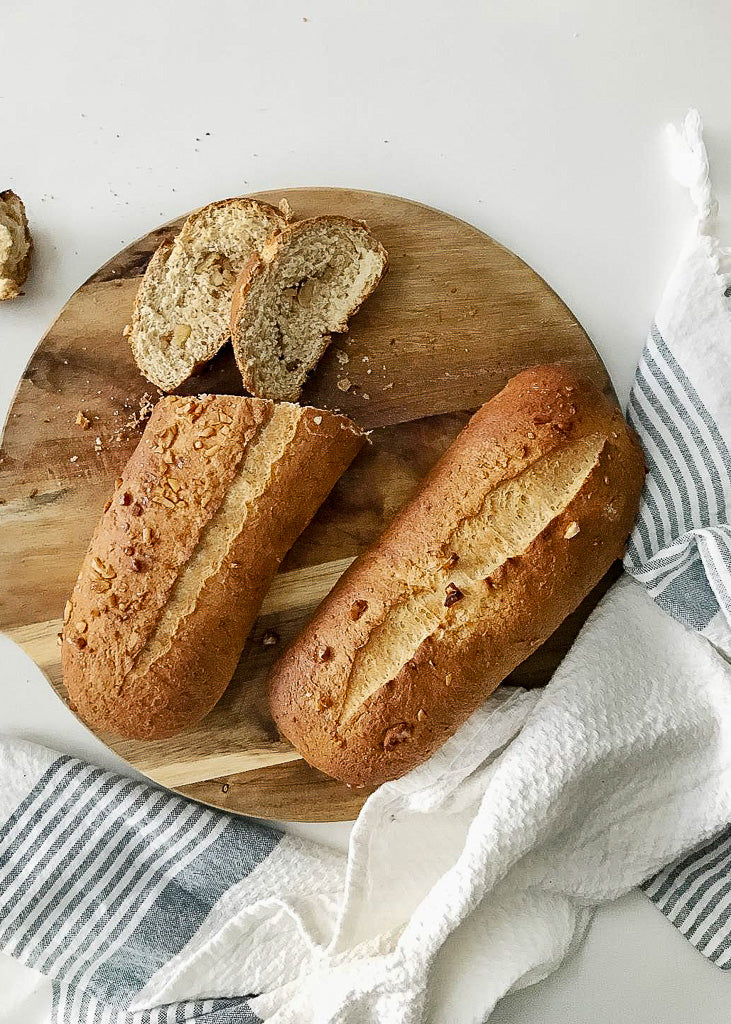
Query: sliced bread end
[304, 285]
[15, 245]
[181, 314]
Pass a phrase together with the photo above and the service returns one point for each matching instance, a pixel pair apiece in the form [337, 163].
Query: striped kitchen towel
[680, 550]
[104, 881]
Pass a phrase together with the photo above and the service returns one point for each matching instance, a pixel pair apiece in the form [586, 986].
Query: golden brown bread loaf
[215, 494]
[515, 524]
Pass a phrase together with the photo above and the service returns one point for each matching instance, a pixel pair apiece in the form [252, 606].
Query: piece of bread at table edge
[213, 497]
[182, 310]
[519, 519]
[16, 245]
[305, 283]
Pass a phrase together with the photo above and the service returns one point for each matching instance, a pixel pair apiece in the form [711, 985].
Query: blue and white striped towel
[476, 873]
[680, 550]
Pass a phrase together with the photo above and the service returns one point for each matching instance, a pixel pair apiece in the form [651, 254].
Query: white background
[542, 123]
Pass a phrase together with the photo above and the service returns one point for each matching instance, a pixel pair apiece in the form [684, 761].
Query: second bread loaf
[514, 525]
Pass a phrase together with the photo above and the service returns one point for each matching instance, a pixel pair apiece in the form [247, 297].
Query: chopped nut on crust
[397, 734]
[357, 608]
[82, 421]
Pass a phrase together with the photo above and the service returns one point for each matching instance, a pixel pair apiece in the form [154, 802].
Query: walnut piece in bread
[16, 245]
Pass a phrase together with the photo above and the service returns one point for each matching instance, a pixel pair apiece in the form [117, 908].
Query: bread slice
[181, 314]
[15, 245]
[217, 491]
[304, 284]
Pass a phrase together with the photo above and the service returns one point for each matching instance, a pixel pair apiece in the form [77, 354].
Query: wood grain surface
[456, 316]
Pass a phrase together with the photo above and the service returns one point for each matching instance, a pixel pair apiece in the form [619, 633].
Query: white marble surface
[540, 123]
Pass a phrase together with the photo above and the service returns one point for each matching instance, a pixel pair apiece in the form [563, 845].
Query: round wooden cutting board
[455, 317]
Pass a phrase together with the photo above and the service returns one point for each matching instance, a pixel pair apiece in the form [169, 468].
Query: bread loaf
[305, 283]
[508, 533]
[217, 491]
[182, 310]
[16, 245]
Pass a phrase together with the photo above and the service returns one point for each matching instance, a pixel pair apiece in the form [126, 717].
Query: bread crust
[538, 413]
[259, 263]
[147, 546]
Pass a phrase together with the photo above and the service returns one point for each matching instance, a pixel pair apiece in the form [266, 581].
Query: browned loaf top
[507, 534]
[215, 494]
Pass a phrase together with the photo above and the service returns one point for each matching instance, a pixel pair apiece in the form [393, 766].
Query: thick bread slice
[306, 283]
[515, 524]
[216, 493]
[15, 245]
[181, 314]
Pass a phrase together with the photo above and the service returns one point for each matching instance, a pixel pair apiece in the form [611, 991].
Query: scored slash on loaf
[515, 524]
[205, 510]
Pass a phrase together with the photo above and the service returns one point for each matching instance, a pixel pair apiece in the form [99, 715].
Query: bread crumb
[82, 421]
[344, 384]
[387, 387]
[365, 359]
[285, 209]
[271, 638]
[97, 444]
[571, 530]
[317, 420]
[74, 458]
[366, 397]
[342, 357]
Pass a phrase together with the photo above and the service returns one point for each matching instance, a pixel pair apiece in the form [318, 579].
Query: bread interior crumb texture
[182, 314]
[315, 283]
